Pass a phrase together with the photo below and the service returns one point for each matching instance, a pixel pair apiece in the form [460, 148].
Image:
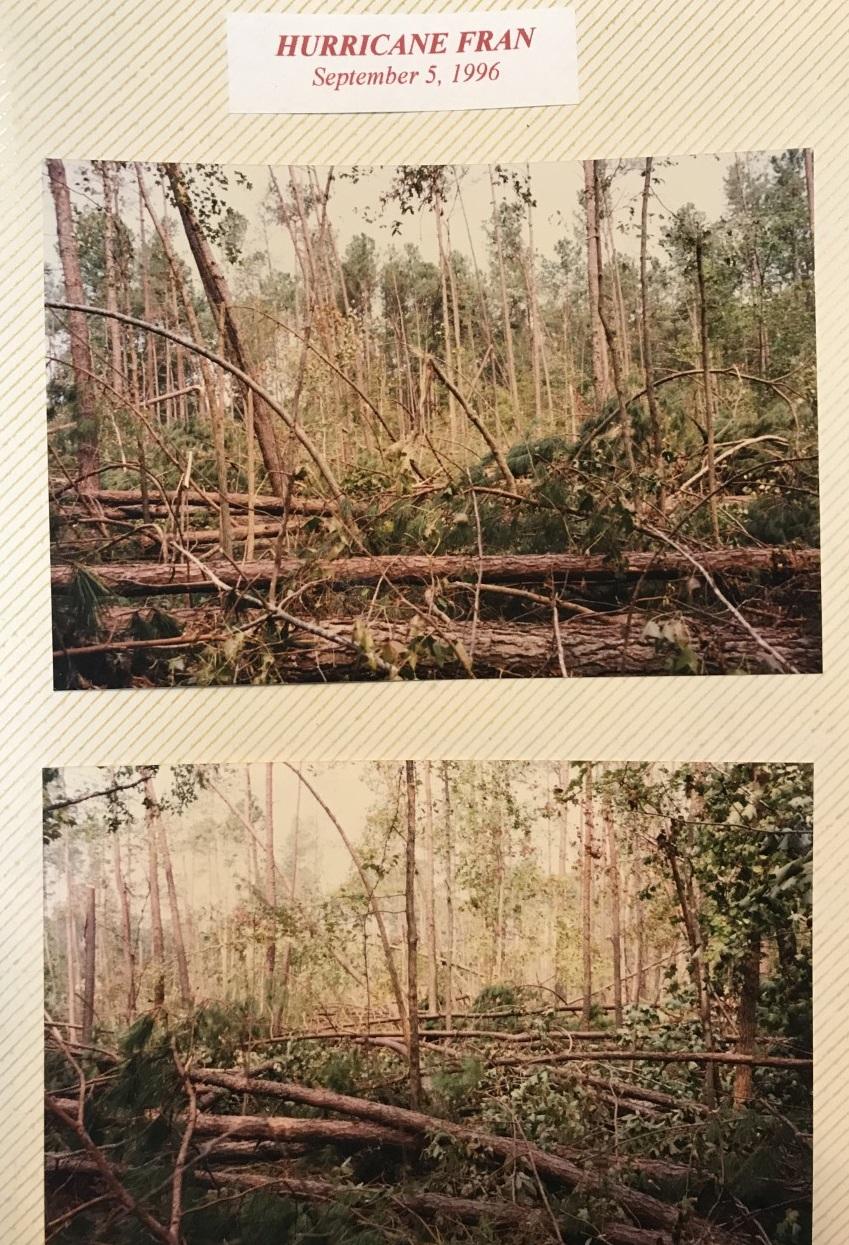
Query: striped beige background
[145, 79]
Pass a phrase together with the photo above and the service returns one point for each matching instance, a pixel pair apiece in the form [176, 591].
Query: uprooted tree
[367, 1003]
[247, 400]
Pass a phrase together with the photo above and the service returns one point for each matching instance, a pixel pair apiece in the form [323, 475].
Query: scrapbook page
[424, 623]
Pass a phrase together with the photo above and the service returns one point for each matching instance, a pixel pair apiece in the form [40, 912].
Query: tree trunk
[587, 855]
[430, 896]
[710, 435]
[505, 305]
[615, 911]
[145, 578]
[210, 392]
[594, 269]
[645, 1208]
[809, 183]
[270, 886]
[747, 1016]
[412, 940]
[90, 965]
[87, 423]
[71, 950]
[449, 900]
[292, 890]
[696, 964]
[564, 774]
[156, 934]
[501, 649]
[646, 337]
[126, 930]
[611, 339]
[220, 302]
[368, 891]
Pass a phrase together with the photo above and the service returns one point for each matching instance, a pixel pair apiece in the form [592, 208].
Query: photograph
[411, 1002]
[311, 424]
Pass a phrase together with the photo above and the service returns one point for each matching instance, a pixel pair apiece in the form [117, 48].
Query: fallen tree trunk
[648, 1210]
[589, 647]
[658, 1056]
[283, 1128]
[146, 578]
[265, 503]
[427, 1205]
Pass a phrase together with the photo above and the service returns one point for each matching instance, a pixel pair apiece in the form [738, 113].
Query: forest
[439, 1002]
[315, 424]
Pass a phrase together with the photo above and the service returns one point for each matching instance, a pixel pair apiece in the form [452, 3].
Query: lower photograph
[428, 1001]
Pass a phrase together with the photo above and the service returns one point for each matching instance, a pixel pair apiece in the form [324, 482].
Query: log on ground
[146, 578]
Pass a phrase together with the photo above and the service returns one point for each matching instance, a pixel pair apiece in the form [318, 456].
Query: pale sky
[556, 188]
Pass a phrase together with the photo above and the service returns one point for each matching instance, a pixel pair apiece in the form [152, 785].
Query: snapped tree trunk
[221, 304]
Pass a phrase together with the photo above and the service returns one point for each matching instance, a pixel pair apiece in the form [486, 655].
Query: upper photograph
[313, 424]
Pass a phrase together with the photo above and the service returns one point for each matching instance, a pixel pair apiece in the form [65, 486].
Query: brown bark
[87, 421]
[412, 940]
[645, 1208]
[747, 1016]
[134, 578]
[221, 304]
[89, 965]
[282, 1128]
[263, 503]
[209, 389]
[504, 649]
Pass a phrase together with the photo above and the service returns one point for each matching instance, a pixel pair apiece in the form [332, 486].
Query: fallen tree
[648, 1210]
[587, 646]
[147, 578]
[420, 1203]
[262, 502]
[424, 1204]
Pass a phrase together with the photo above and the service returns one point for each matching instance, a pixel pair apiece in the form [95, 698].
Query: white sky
[556, 188]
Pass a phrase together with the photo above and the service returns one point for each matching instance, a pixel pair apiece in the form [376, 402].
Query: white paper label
[402, 62]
